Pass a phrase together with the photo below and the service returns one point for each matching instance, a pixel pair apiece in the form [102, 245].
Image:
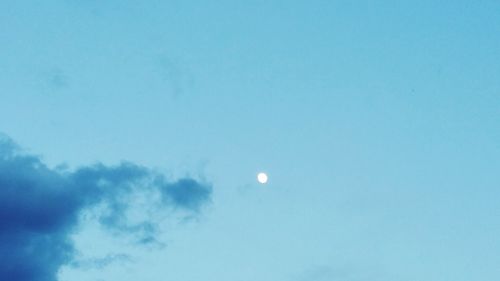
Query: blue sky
[377, 122]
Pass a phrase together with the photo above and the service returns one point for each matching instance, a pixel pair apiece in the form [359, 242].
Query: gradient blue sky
[377, 121]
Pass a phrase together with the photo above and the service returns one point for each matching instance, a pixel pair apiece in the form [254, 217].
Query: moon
[262, 178]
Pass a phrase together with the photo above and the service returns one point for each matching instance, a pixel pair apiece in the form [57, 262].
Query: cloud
[54, 80]
[185, 193]
[101, 262]
[323, 273]
[57, 79]
[343, 273]
[40, 207]
[174, 74]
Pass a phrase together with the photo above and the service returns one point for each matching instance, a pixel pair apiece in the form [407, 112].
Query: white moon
[262, 178]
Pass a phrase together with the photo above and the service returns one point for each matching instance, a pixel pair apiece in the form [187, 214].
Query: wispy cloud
[41, 206]
[101, 262]
[343, 273]
[174, 74]
[57, 79]
[320, 273]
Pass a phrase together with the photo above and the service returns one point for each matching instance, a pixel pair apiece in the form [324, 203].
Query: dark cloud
[40, 207]
[185, 193]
